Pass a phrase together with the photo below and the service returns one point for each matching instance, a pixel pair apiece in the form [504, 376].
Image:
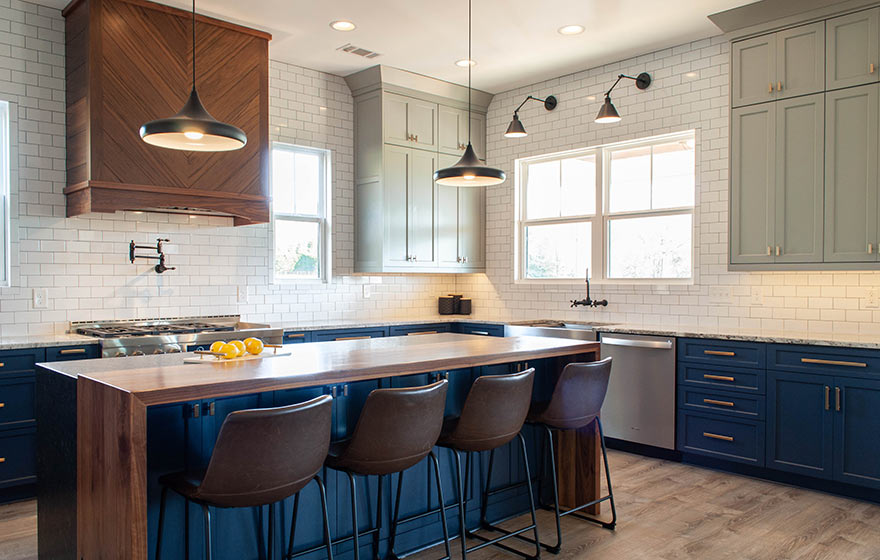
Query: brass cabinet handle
[196, 410]
[770, 88]
[719, 403]
[778, 86]
[837, 393]
[2, 404]
[718, 377]
[211, 409]
[827, 397]
[870, 248]
[420, 333]
[716, 436]
[2, 459]
[871, 68]
[73, 351]
[295, 335]
[352, 338]
[2, 364]
[416, 137]
[832, 362]
[769, 250]
[778, 251]
[719, 353]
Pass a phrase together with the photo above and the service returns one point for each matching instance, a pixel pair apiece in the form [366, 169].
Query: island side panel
[111, 475]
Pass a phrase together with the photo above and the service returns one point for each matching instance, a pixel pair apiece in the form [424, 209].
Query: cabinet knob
[871, 68]
[464, 259]
[770, 88]
[778, 251]
[778, 86]
[416, 137]
[769, 250]
[870, 248]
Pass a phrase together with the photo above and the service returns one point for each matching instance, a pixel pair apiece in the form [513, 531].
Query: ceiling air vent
[349, 48]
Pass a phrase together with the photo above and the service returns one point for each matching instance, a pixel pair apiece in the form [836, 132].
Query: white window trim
[325, 202]
[6, 189]
[601, 220]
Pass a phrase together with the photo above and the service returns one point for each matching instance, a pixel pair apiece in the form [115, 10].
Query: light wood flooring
[666, 511]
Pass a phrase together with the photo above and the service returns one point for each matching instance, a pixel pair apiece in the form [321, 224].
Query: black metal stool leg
[462, 529]
[161, 522]
[207, 514]
[378, 525]
[484, 524]
[293, 517]
[554, 549]
[392, 538]
[271, 544]
[354, 515]
[442, 505]
[613, 523]
[525, 457]
[327, 540]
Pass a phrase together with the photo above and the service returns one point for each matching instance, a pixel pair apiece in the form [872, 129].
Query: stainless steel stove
[167, 336]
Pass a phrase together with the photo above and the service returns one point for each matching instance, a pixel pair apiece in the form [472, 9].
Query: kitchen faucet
[589, 302]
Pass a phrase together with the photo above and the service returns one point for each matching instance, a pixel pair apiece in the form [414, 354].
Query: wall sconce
[516, 129]
[608, 114]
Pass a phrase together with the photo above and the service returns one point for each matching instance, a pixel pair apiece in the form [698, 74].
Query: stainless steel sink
[558, 329]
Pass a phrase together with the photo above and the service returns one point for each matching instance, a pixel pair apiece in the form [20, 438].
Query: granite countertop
[44, 340]
[351, 324]
[751, 335]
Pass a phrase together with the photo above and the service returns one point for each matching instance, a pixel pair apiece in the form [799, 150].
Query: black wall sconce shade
[516, 129]
[608, 113]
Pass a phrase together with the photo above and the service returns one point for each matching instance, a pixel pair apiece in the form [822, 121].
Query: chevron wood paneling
[129, 62]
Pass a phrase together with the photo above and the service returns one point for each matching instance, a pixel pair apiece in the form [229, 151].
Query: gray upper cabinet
[852, 49]
[410, 207]
[453, 131]
[754, 71]
[462, 226]
[851, 152]
[752, 191]
[410, 122]
[800, 163]
[800, 60]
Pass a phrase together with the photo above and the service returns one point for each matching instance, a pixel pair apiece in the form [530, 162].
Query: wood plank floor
[667, 511]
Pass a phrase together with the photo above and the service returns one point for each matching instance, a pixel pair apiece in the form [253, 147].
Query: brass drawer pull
[420, 333]
[2, 364]
[827, 397]
[837, 399]
[2, 459]
[2, 404]
[295, 335]
[73, 351]
[353, 338]
[716, 436]
[832, 362]
[718, 377]
[871, 68]
[719, 403]
[719, 353]
[770, 88]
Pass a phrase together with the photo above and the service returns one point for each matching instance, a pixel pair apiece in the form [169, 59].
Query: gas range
[168, 336]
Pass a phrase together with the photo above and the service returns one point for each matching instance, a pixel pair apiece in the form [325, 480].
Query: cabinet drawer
[17, 361]
[17, 457]
[729, 404]
[822, 359]
[296, 337]
[726, 438]
[16, 401]
[721, 377]
[64, 353]
[406, 330]
[482, 330]
[348, 334]
[746, 354]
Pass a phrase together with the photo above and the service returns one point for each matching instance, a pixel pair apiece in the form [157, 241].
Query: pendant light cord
[470, 66]
[194, 44]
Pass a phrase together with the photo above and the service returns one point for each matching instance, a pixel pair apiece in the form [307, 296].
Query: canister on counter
[465, 306]
[456, 302]
[446, 305]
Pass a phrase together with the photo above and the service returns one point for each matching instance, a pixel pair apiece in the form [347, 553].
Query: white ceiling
[515, 42]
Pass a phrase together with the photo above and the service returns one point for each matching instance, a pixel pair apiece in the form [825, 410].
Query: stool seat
[542, 413]
[454, 437]
[341, 459]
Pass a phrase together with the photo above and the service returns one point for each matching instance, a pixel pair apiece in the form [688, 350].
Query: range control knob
[173, 349]
[120, 354]
[158, 351]
[137, 353]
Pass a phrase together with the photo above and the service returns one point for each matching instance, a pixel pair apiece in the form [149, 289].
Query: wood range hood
[129, 62]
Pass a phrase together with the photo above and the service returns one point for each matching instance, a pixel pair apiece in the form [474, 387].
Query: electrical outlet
[719, 295]
[41, 298]
[872, 298]
[757, 295]
[367, 291]
[242, 294]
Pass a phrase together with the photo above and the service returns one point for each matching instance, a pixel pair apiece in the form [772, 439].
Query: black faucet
[160, 268]
[589, 302]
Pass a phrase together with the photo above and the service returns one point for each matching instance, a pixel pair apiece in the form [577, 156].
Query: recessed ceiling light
[342, 25]
[571, 30]
[464, 62]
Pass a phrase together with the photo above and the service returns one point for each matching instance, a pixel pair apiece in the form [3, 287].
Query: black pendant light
[608, 113]
[469, 170]
[193, 128]
[516, 129]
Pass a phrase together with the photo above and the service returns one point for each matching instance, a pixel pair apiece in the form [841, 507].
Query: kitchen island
[133, 419]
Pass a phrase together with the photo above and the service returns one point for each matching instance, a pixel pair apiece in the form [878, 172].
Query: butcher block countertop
[166, 379]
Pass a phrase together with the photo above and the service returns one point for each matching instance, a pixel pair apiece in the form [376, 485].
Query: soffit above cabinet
[129, 62]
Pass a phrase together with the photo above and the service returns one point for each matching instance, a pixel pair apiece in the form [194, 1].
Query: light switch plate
[757, 295]
[367, 291]
[242, 294]
[872, 300]
[41, 298]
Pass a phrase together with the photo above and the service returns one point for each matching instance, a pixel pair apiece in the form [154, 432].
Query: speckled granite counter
[752, 335]
[44, 340]
[328, 324]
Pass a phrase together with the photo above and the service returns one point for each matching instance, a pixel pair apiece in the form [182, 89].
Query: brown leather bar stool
[261, 457]
[575, 404]
[396, 429]
[492, 416]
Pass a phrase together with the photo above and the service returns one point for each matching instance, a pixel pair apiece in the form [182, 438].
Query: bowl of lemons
[249, 347]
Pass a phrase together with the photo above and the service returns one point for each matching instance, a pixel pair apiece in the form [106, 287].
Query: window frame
[322, 218]
[5, 190]
[601, 220]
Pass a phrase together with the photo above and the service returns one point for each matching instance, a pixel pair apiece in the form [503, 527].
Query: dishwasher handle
[652, 344]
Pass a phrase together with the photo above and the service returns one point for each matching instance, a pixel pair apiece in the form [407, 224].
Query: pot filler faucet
[589, 302]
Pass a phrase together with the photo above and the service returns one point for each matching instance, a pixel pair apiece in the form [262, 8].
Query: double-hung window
[623, 211]
[5, 181]
[300, 208]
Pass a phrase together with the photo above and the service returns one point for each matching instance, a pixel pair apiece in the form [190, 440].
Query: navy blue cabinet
[349, 334]
[856, 429]
[80, 352]
[405, 330]
[481, 329]
[296, 337]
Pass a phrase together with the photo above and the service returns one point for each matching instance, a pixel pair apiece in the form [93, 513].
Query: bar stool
[396, 429]
[492, 416]
[261, 457]
[575, 403]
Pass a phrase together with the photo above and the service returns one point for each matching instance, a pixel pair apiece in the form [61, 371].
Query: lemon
[239, 345]
[253, 345]
[229, 351]
[215, 347]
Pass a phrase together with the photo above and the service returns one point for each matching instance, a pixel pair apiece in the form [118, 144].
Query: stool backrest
[265, 455]
[494, 411]
[578, 395]
[397, 428]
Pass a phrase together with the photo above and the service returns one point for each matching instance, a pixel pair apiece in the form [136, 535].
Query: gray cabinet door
[447, 224]
[851, 120]
[754, 70]
[752, 187]
[396, 192]
[852, 51]
[800, 165]
[451, 130]
[422, 208]
[410, 122]
[395, 121]
[800, 60]
[472, 227]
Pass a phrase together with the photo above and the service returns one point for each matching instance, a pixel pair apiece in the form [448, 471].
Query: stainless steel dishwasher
[640, 405]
